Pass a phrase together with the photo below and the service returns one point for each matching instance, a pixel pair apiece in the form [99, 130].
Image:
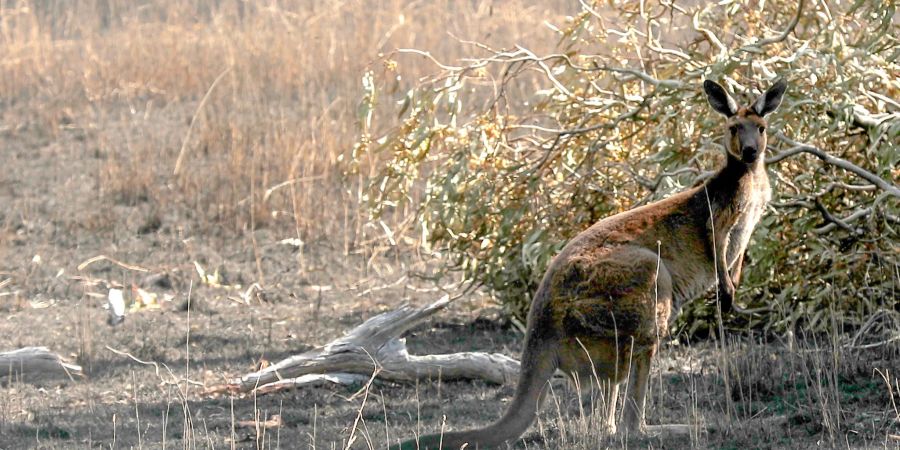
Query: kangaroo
[605, 302]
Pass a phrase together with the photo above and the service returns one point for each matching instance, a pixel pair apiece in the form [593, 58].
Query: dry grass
[137, 85]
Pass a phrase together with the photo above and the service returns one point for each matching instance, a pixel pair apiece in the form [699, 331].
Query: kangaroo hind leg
[635, 404]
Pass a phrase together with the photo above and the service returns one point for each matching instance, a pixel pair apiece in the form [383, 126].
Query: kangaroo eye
[733, 130]
[762, 130]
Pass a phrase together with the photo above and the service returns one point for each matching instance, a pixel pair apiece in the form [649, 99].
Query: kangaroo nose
[749, 153]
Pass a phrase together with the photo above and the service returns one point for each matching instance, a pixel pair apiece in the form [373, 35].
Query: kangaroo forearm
[725, 286]
[736, 271]
[721, 261]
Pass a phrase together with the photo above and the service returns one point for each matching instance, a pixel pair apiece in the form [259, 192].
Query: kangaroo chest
[749, 210]
[694, 273]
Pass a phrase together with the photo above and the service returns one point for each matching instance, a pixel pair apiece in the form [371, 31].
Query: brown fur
[606, 300]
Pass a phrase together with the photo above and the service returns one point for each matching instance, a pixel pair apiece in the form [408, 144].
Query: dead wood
[34, 362]
[887, 186]
[375, 347]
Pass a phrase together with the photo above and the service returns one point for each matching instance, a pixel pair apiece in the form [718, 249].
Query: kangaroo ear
[770, 101]
[719, 99]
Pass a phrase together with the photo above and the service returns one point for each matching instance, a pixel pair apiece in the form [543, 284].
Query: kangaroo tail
[539, 362]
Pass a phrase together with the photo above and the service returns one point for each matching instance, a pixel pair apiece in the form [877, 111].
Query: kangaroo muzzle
[749, 154]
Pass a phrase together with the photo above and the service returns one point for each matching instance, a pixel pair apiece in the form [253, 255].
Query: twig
[712, 38]
[301, 381]
[156, 365]
[843, 223]
[674, 84]
[359, 413]
[786, 32]
[850, 187]
[867, 327]
[549, 74]
[114, 261]
[833, 220]
[875, 344]
[431, 57]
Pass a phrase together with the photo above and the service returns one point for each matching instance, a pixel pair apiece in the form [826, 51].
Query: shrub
[503, 159]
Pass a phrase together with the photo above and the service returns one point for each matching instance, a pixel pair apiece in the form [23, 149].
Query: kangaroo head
[745, 139]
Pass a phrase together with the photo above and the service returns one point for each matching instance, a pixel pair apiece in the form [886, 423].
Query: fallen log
[375, 347]
[34, 362]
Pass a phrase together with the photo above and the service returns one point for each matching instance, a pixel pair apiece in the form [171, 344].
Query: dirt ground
[53, 221]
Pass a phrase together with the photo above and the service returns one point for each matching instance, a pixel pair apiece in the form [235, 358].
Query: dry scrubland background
[256, 101]
[259, 107]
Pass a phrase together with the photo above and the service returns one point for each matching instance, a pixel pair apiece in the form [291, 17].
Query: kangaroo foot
[674, 430]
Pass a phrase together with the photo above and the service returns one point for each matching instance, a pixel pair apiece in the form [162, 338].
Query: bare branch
[882, 320]
[674, 84]
[786, 32]
[431, 57]
[833, 160]
[833, 220]
[90, 261]
[843, 223]
[712, 38]
[841, 185]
